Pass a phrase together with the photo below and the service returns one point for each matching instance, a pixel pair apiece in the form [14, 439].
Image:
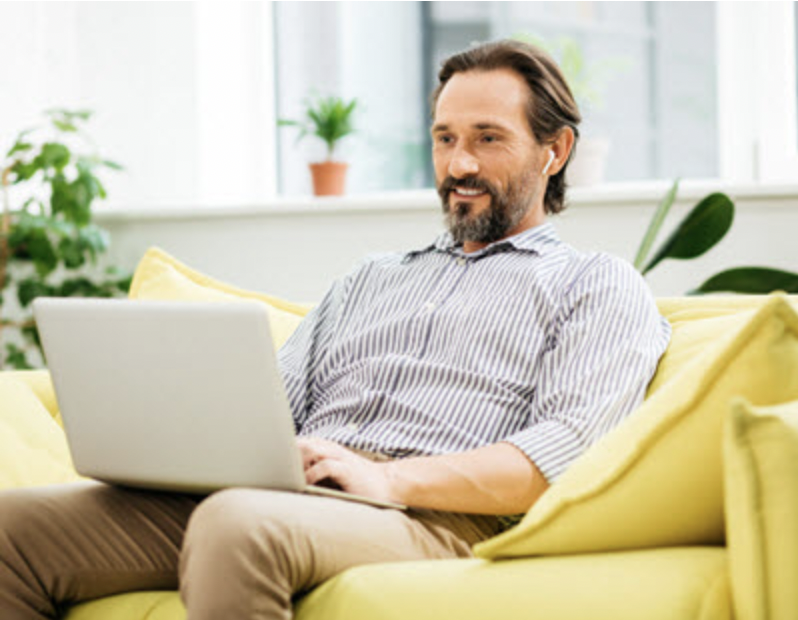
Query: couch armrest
[42, 386]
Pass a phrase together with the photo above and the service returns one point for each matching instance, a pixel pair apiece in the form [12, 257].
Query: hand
[325, 460]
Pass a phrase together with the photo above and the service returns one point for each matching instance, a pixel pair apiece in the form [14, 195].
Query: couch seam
[756, 494]
[703, 612]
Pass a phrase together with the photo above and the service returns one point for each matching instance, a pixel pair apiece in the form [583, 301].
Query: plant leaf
[16, 359]
[64, 125]
[31, 288]
[750, 280]
[53, 155]
[42, 252]
[701, 229]
[71, 251]
[112, 165]
[19, 147]
[655, 224]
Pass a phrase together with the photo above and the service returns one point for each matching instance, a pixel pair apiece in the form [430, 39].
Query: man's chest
[483, 318]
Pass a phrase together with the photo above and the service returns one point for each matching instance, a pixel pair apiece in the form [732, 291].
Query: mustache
[449, 183]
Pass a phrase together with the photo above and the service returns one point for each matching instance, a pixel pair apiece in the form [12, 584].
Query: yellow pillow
[657, 479]
[41, 385]
[33, 448]
[760, 448]
[160, 276]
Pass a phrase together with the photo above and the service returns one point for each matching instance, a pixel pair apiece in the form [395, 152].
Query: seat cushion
[40, 382]
[656, 480]
[662, 584]
[761, 473]
[132, 606]
[161, 276]
[33, 449]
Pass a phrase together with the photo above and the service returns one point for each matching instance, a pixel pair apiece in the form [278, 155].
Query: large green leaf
[704, 226]
[655, 225]
[53, 155]
[750, 280]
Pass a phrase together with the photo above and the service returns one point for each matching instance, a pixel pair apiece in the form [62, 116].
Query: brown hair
[551, 107]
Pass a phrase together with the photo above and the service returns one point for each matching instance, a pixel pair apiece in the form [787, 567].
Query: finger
[308, 453]
[314, 449]
[329, 470]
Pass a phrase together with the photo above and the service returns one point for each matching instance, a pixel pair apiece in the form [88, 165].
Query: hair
[551, 106]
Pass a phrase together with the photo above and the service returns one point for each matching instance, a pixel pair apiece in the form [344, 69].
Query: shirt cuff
[550, 445]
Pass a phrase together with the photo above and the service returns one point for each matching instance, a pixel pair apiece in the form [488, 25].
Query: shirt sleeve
[302, 354]
[602, 352]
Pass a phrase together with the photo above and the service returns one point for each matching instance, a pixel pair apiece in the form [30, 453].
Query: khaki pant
[239, 553]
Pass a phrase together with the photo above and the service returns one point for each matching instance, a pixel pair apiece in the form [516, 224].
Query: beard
[505, 210]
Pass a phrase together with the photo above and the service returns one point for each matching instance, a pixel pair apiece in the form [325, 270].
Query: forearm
[495, 479]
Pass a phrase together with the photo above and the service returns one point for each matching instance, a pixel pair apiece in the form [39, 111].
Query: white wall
[294, 248]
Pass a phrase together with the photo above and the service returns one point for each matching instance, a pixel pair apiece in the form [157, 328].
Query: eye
[443, 139]
[490, 138]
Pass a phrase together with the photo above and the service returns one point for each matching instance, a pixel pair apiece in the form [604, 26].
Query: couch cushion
[33, 449]
[656, 480]
[662, 584]
[761, 474]
[132, 606]
[161, 276]
[42, 385]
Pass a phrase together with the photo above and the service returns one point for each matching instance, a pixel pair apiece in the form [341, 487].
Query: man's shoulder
[586, 263]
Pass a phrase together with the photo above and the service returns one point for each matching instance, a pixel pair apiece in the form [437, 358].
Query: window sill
[605, 195]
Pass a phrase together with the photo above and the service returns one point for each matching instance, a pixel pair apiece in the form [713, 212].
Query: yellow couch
[686, 510]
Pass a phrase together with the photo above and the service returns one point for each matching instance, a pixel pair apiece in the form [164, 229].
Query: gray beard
[493, 224]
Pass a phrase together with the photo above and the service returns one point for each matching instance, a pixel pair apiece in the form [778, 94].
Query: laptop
[177, 396]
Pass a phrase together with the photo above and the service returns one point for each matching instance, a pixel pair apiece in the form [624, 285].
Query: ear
[561, 147]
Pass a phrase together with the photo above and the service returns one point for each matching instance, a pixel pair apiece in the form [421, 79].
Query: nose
[463, 164]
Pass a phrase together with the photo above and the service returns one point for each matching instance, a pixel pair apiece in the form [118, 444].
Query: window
[648, 85]
[654, 66]
[372, 51]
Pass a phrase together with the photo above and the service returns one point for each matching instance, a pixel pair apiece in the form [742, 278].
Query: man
[461, 379]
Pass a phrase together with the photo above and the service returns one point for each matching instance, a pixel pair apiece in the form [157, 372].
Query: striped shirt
[527, 341]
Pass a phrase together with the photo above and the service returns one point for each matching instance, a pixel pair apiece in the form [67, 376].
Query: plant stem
[5, 228]
[17, 324]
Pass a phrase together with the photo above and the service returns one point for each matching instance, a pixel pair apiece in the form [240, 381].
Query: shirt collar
[536, 240]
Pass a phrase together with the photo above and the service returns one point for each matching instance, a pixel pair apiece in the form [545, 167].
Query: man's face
[487, 160]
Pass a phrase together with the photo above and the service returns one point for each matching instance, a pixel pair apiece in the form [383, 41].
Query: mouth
[462, 192]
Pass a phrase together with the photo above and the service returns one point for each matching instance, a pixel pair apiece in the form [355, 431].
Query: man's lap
[89, 540]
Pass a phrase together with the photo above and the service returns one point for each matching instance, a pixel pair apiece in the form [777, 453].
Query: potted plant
[48, 243]
[328, 118]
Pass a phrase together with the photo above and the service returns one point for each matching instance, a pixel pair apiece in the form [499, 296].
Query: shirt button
[430, 305]
[461, 261]
[353, 426]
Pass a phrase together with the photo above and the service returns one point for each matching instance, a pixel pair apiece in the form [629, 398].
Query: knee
[236, 523]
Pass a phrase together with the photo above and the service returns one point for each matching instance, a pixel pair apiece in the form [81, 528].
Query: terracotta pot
[329, 178]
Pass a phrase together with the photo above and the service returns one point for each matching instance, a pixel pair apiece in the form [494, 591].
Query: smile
[469, 192]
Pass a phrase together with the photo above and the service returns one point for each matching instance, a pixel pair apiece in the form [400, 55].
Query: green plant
[48, 242]
[329, 118]
[700, 230]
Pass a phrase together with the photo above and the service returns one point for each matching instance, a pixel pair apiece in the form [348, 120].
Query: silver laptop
[179, 396]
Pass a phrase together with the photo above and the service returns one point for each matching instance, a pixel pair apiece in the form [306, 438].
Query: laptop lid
[170, 395]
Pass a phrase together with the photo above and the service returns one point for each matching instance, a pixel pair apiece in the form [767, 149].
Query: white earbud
[548, 164]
